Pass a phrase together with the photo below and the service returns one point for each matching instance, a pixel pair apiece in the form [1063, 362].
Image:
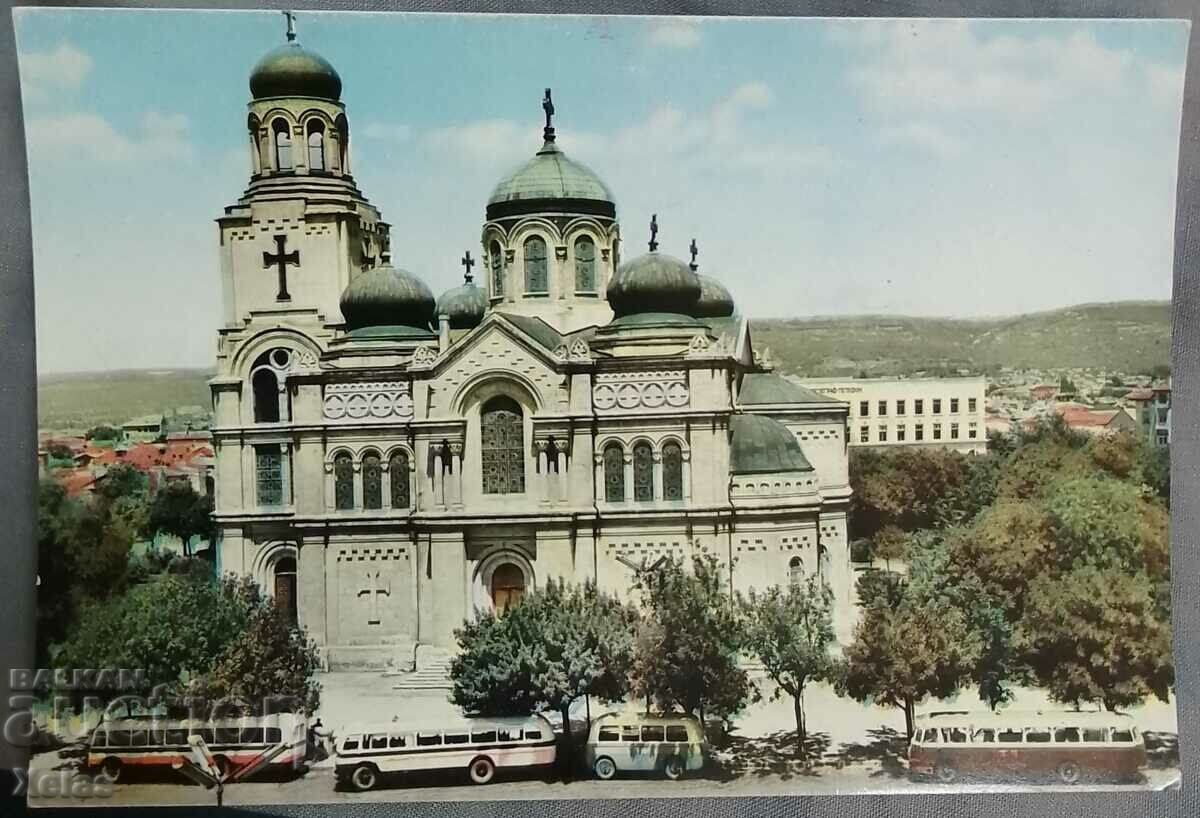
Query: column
[329, 493]
[385, 483]
[358, 485]
[658, 475]
[601, 487]
[561, 475]
[687, 474]
[543, 469]
[628, 476]
[439, 487]
[456, 451]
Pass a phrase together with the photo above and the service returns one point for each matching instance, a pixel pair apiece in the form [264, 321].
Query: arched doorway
[508, 586]
[285, 587]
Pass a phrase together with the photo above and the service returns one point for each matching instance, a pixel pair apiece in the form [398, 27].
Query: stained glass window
[398, 469]
[614, 473]
[643, 473]
[497, 259]
[536, 278]
[343, 482]
[269, 467]
[372, 475]
[672, 465]
[503, 449]
[585, 265]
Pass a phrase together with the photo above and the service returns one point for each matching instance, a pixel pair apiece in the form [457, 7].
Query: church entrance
[508, 586]
[285, 588]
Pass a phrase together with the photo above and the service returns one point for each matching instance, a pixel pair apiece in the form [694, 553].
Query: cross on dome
[548, 107]
[695, 251]
[653, 232]
[468, 263]
[291, 25]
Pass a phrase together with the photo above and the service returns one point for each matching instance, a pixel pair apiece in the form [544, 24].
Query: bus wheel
[110, 768]
[604, 768]
[482, 770]
[1068, 771]
[673, 769]
[364, 777]
[946, 774]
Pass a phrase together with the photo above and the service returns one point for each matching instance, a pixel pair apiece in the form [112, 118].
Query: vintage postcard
[443, 407]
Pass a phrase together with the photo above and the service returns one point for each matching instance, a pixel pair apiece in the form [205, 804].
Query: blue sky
[824, 166]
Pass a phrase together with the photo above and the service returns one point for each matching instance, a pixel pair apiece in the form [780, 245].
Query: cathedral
[387, 463]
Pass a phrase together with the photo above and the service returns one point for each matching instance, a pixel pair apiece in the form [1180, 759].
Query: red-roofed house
[1043, 391]
[1096, 421]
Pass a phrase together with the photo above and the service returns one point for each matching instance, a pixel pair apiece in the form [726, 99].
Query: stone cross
[695, 251]
[282, 260]
[291, 25]
[653, 232]
[548, 107]
[373, 591]
[468, 263]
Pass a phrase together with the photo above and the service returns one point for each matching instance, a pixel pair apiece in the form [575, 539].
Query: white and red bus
[1019, 745]
[154, 741]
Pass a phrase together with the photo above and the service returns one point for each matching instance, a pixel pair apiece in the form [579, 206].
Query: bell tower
[302, 230]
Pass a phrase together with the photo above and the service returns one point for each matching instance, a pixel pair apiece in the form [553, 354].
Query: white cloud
[89, 137]
[486, 140]
[923, 136]
[387, 131]
[64, 67]
[675, 33]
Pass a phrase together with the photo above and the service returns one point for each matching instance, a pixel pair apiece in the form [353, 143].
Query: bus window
[1010, 736]
[378, 742]
[1123, 736]
[1097, 734]
[252, 735]
[677, 732]
[100, 738]
[139, 737]
[533, 735]
[175, 738]
[227, 735]
[486, 737]
[1069, 734]
[630, 733]
[931, 736]
[954, 735]
[984, 735]
[609, 733]
[1038, 735]
[350, 744]
[508, 735]
[457, 738]
[205, 733]
[428, 739]
[653, 732]
[395, 741]
[273, 735]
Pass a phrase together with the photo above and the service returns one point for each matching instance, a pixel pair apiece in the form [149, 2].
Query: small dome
[759, 444]
[464, 305]
[548, 182]
[387, 297]
[293, 71]
[654, 283]
[715, 301]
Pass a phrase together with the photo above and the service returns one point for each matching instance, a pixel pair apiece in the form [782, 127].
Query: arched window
[343, 482]
[585, 265]
[285, 588]
[536, 276]
[266, 377]
[255, 146]
[502, 429]
[497, 260]
[283, 145]
[316, 145]
[398, 469]
[643, 473]
[508, 586]
[823, 564]
[672, 465]
[372, 477]
[795, 570]
[614, 473]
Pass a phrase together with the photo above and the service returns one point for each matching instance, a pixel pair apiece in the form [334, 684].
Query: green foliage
[104, 432]
[1094, 634]
[179, 511]
[121, 481]
[790, 630]
[60, 451]
[1095, 521]
[689, 639]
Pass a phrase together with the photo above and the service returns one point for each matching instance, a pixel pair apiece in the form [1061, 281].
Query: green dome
[715, 301]
[654, 284]
[464, 305]
[387, 297]
[293, 71]
[551, 182]
[759, 444]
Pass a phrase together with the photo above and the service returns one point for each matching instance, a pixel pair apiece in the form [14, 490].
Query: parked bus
[153, 741]
[478, 745]
[1013, 744]
[620, 742]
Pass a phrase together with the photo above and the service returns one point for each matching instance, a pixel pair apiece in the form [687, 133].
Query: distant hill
[1130, 337]
[78, 401]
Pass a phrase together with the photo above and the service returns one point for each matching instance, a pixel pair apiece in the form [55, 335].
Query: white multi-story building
[948, 413]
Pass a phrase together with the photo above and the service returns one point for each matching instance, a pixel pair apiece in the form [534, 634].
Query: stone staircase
[432, 671]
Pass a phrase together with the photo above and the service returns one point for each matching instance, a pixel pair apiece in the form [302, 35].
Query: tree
[689, 640]
[1096, 521]
[1094, 635]
[905, 651]
[558, 644]
[179, 511]
[790, 630]
[121, 480]
[104, 432]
